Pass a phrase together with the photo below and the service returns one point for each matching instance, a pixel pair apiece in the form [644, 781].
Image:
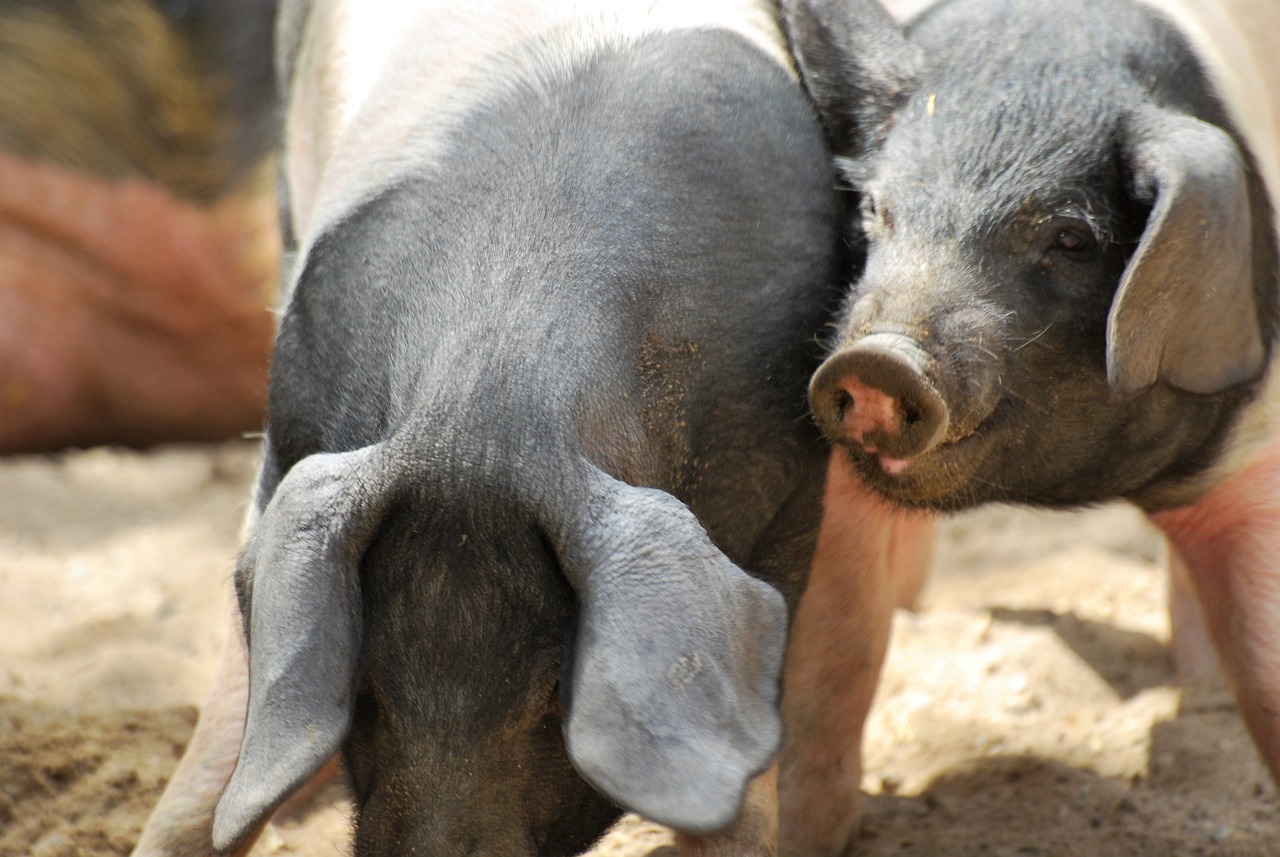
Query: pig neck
[1233, 516]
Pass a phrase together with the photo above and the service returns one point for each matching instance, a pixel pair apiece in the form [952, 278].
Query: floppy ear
[854, 62]
[672, 696]
[1185, 313]
[304, 632]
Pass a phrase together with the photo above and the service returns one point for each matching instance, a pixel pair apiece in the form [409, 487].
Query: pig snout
[875, 394]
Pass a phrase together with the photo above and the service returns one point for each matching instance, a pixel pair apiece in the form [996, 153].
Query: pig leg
[870, 558]
[1193, 654]
[180, 825]
[754, 834]
[911, 543]
[1229, 545]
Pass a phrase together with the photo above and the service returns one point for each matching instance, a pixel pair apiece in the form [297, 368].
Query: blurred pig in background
[138, 237]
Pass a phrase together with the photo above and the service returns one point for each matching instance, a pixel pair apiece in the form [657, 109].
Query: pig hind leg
[1228, 546]
[754, 834]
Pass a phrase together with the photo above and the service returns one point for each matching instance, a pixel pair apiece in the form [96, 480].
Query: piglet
[1070, 289]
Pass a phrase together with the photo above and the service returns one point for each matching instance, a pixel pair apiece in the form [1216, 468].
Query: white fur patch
[377, 95]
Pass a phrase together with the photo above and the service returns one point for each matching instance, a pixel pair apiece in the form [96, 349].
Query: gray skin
[1069, 291]
[533, 412]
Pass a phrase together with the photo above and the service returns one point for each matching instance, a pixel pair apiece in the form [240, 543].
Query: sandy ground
[1028, 708]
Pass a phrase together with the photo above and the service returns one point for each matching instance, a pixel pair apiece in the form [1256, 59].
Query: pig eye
[1067, 240]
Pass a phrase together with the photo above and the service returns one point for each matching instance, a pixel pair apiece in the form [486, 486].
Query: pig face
[1070, 266]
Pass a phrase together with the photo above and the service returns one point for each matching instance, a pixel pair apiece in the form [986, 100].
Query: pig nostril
[843, 401]
[910, 413]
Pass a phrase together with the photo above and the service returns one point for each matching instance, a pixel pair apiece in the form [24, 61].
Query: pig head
[536, 409]
[1069, 292]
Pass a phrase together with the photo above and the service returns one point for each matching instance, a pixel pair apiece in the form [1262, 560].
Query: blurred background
[138, 239]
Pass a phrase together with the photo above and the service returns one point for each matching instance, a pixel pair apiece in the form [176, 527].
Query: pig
[539, 492]
[1069, 289]
[138, 236]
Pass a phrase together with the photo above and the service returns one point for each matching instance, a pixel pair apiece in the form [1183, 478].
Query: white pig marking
[352, 131]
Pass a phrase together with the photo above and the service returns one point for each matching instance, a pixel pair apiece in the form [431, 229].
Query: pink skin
[128, 316]
[1226, 551]
[180, 825]
[869, 411]
[871, 558]
[754, 834]
[1193, 654]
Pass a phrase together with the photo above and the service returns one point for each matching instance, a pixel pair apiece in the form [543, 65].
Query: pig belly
[871, 557]
[127, 316]
[1225, 552]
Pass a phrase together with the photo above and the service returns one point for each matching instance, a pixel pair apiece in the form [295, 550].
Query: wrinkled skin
[138, 238]
[1070, 289]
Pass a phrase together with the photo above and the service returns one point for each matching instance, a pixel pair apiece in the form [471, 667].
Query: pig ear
[854, 62]
[672, 692]
[1185, 313]
[301, 571]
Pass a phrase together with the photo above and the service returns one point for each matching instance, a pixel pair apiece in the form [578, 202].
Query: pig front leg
[180, 824]
[1227, 547]
[870, 558]
[1193, 653]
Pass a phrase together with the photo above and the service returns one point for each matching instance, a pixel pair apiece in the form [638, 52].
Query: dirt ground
[1028, 708]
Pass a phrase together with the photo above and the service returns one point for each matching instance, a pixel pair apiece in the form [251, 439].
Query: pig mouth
[945, 478]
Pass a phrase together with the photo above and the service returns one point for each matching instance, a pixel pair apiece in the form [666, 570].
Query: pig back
[627, 259]
[557, 330]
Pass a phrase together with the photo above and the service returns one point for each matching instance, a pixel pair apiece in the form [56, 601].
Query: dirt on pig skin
[1028, 707]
